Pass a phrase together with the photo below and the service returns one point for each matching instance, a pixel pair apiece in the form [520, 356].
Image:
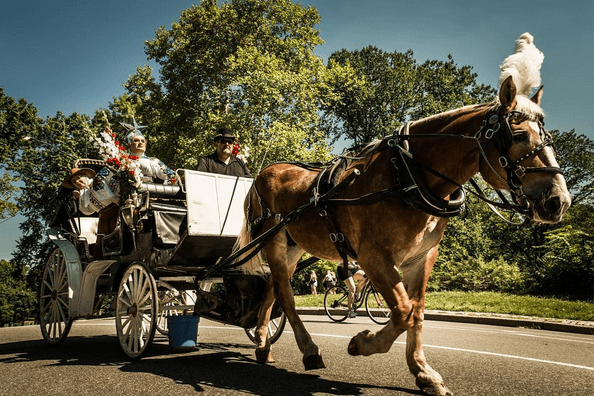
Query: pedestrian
[313, 282]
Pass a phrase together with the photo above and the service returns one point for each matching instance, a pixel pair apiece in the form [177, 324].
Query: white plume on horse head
[523, 65]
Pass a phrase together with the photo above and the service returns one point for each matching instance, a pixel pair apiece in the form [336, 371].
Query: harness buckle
[503, 162]
[520, 171]
[490, 132]
[323, 213]
[339, 237]
[278, 217]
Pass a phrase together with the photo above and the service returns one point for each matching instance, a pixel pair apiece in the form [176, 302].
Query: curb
[565, 325]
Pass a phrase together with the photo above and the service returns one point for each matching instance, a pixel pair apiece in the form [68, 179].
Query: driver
[222, 161]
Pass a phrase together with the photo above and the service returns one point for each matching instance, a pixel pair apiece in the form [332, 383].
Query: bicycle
[336, 303]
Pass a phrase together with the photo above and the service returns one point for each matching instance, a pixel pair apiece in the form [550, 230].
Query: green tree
[41, 163]
[16, 299]
[246, 64]
[575, 153]
[376, 91]
[17, 120]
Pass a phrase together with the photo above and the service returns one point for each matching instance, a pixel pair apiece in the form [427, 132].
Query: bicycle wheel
[336, 303]
[376, 307]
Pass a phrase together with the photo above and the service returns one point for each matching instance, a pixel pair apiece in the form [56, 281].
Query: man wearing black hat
[222, 161]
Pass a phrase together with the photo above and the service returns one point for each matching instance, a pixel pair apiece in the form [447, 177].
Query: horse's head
[522, 157]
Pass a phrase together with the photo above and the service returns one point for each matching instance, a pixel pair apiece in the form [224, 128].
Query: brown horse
[395, 235]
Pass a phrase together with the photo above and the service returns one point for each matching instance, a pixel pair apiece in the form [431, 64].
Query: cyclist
[329, 280]
[352, 273]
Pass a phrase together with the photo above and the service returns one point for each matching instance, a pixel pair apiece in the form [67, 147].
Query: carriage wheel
[275, 329]
[54, 300]
[336, 303]
[169, 298]
[376, 307]
[136, 310]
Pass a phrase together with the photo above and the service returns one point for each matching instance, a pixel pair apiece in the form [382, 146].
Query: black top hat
[224, 134]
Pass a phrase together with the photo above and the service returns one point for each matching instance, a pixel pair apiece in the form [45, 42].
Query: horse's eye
[520, 136]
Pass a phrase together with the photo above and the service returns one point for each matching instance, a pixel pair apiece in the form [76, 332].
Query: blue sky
[73, 56]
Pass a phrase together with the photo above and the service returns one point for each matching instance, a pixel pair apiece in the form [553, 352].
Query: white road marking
[230, 327]
[478, 352]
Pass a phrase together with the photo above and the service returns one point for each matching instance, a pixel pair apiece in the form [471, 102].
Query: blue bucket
[183, 331]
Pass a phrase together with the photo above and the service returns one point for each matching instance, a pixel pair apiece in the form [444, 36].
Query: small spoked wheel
[136, 310]
[376, 307]
[336, 303]
[54, 300]
[275, 329]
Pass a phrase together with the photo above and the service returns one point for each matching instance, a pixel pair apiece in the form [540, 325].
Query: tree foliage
[376, 91]
[247, 65]
[17, 301]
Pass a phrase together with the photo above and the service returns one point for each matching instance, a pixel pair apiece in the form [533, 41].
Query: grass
[491, 302]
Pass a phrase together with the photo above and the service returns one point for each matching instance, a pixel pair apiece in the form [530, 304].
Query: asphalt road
[474, 359]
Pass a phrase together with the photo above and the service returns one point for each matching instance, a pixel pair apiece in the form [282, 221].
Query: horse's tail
[255, 265]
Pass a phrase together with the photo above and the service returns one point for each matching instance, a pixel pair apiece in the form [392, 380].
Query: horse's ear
[507, 93]
[538, 95]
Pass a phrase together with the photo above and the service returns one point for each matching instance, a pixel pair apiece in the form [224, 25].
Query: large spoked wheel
[171, 302]
[136, 310]
[376, 307]
[336, 303]
[275, 329]
[54, 300]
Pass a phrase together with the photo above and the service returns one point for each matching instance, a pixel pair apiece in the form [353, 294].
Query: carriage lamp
[130, 215]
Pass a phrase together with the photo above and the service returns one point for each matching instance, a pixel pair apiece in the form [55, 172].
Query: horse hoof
[264, 356]
[313, 362]
[435, 390]
[354, 346]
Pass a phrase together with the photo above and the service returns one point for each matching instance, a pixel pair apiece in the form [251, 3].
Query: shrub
[477, 275]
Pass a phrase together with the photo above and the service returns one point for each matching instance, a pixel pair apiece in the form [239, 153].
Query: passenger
[349, 276]
[96, 193]
[222, 161]
[101, 193]
[153, 169]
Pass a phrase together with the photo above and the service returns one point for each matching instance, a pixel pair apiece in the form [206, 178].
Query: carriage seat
[161, 190]
[88, 228]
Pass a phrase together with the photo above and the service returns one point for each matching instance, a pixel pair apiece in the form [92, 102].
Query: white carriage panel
[215, 203]
[88, 228]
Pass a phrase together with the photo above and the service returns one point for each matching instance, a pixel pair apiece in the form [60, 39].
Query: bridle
[500, 134]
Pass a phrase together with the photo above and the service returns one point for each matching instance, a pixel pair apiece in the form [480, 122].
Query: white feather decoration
[523, 65]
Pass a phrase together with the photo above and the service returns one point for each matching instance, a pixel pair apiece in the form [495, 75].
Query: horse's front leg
[416, 277]
[368, 342]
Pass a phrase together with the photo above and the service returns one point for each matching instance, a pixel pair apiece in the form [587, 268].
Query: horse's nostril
[553, 204]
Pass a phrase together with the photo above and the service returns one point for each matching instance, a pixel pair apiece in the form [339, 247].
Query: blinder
[501, 135]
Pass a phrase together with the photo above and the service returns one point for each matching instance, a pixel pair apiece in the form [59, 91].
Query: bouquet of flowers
[124, 166]
[236, 150]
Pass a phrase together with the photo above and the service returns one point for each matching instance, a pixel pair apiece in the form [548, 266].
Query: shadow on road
[214, 366]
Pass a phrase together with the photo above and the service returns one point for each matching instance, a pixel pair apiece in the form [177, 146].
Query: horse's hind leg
[263, 346]
[283, 260]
